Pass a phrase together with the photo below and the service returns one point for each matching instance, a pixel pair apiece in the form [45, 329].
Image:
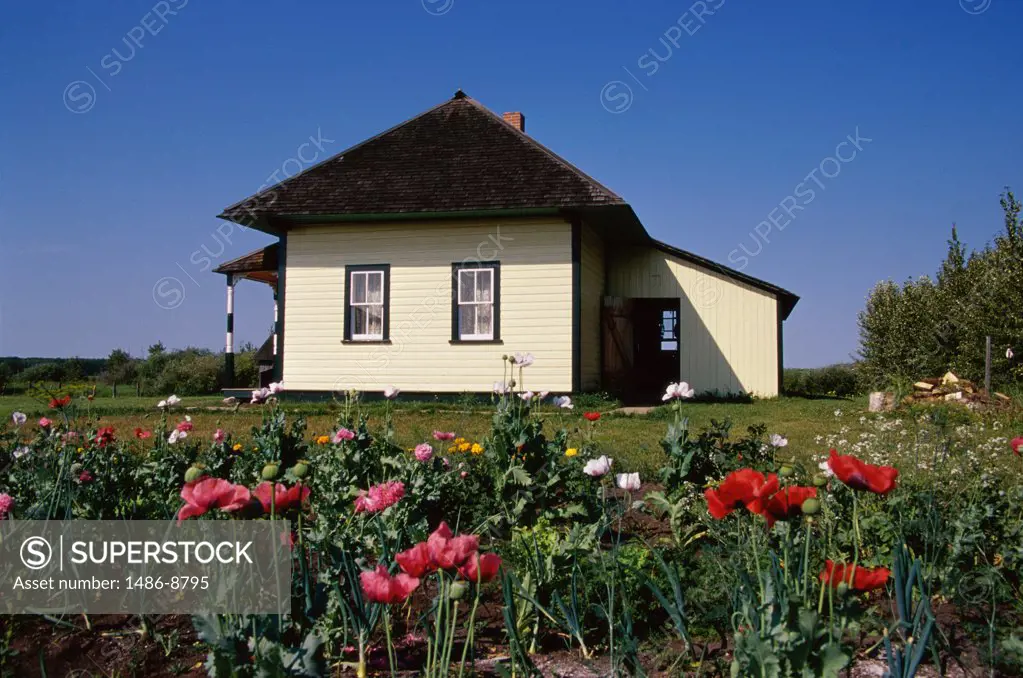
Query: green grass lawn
[633, 439]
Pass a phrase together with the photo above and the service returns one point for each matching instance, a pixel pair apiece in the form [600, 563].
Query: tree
[121, 368]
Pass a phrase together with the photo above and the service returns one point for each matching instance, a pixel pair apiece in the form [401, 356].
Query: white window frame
[354, 305]
[492, 303]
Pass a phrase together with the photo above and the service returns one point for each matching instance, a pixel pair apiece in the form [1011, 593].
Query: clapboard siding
[536, 305]
[728, 329]
[591, 298]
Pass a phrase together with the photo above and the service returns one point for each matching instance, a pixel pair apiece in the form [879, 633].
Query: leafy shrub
[832, 381]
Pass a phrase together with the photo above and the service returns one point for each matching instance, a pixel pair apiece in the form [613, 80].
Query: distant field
[632, 438]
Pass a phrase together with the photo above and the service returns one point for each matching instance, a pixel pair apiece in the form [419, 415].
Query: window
[476, 302]
[367, 302]
[669, 330]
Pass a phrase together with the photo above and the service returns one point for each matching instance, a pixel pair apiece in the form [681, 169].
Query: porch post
[276, 315]
[229, 344]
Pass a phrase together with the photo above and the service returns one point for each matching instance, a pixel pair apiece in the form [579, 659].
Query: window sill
[365, 341]
[475, 341]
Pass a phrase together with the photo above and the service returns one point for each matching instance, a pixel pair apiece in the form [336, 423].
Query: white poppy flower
[778, 440]
[564, 402]
[501, 388]
[276, 387]
[523, 359]
[679, 390]
[598, 467]
[1009, 354]
[21, 452]
[19, 418]
[177, 435]
[527, 396]
[391, 392]
[628, 481]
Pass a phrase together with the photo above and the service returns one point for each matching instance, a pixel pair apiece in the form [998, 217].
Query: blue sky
[129, 125]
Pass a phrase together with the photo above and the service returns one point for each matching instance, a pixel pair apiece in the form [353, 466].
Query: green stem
[391, 660]
[471, 633]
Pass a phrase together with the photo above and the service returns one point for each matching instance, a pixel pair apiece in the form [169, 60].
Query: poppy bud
[457, 590]
[504, 357]
[811, 507]
[786, 471]
[76, 469]
[820, 480]
[300, 470]
[842, 588]
[194, 473]
[269, 471]
[511, 384]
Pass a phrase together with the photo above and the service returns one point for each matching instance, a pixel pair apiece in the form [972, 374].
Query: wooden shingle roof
[458, 156]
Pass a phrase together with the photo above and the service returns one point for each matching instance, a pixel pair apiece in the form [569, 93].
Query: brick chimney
[516, 120]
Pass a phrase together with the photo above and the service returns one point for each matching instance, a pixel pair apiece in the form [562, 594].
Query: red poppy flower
[380, 587]
[744, 487]
[591, 416]
[416, 561]
[859, 578]
[185, 426]
[84, 478]
[860, 475]
[449, 552]
[105, 436]
[787, 504]
[283, 498]
[142, 434]
[57, 403]
[481, 568]
[1017, 445]
[210, 493]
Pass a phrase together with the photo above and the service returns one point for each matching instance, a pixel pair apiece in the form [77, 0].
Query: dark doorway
[655, 340]
[642, 345]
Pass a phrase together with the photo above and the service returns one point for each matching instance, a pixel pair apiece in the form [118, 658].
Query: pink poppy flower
[380, 587]
[448, 551]
[45, 423]
[184, 427]
[443, 435]
[210, 493]
[342, 435]
[416, 561]
[424, 452]
[379, 497]
[481, 567]
[6, 504]
[219, 436]
[105, 436]
[283, 498]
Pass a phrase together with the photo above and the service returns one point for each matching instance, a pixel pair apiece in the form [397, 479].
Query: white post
[229, 341]
[275, 324]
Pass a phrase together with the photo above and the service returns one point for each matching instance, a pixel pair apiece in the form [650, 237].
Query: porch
[261, 266]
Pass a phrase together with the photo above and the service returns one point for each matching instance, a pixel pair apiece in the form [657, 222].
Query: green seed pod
[194, 473]
[786, 471]
[842, 588]
[504, 357]
[270, 471]
[811, 506]
[301, 469]
[76, 468]
[820, 480]
[457, 590]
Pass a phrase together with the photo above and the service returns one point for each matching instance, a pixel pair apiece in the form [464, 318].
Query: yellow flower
[999, 559]
[464, 447]
[80, 449]
[237, 447]
[476, 448]
[571, 452]
[452, 449]
[323, 440]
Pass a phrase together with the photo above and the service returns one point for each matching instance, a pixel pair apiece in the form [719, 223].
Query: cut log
[923, 386]
[958, 395]
[949, 378]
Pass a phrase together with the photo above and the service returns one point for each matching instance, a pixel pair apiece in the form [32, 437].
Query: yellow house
[420, 257]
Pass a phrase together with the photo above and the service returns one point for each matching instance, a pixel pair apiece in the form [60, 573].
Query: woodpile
[948, 388]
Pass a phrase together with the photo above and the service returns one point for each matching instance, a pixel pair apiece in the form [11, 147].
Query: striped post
[276, 311]
[229, 344]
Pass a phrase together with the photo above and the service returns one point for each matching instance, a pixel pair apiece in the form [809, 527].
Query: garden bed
[717, 548]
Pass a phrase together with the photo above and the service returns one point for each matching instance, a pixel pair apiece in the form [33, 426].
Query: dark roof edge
[787, 299]
[230, 266]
